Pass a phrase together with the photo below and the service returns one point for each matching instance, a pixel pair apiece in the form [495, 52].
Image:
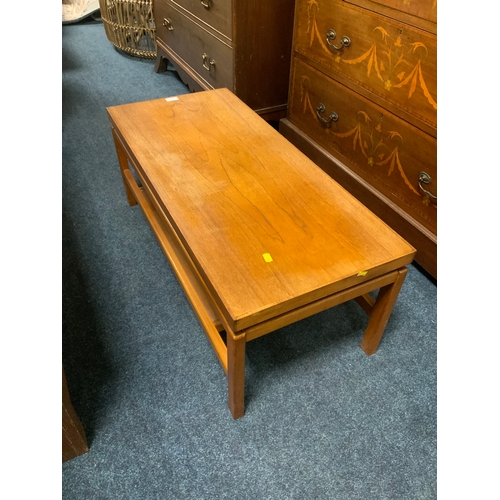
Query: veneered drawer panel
[214, 13]
[196, 46]
[386, 151]
[395, 61]
[420, 9]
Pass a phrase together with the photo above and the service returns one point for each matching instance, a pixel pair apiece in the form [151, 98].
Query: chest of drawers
[242, 45]
[363, 106]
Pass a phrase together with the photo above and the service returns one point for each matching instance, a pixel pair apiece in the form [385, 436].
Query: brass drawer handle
[205, 59]
[206, 3]
[345, 41]
[168, 24]
[426, 179]
[332, 118]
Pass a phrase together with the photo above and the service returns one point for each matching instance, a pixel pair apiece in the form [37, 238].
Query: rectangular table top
[268, 230]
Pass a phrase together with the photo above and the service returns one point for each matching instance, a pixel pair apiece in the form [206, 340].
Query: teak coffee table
[258, 235]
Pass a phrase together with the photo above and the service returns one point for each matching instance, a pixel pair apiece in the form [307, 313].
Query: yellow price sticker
[267, 257]
[362, 273]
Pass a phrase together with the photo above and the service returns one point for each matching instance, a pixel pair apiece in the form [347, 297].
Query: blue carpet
[322, 421]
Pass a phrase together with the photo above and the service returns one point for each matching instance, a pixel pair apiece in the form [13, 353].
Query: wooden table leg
[74, 441]
[236, 373]
[123, 161]
[381, 312]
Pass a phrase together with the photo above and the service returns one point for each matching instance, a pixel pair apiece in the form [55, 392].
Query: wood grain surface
[268, 230]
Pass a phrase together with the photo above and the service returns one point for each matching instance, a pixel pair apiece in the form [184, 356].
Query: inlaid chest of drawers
[242, 45]
[363, 106]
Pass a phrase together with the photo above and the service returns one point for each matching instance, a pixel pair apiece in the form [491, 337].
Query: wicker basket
[130, 26]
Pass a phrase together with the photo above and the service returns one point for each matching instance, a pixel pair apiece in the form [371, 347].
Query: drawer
[210, 57]
[392, 60]
[425, 10]
[386, 151]
[215, 14]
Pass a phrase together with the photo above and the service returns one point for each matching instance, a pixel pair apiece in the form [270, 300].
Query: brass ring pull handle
[168, 24]
[345, 41]
[332, 118]
[206, 3]
[205, 60]
[426, 179]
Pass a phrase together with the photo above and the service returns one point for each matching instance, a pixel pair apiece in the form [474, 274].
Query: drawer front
[421, 9]
[386, 151]
[208, 56]
[388, 58]
[213, 13]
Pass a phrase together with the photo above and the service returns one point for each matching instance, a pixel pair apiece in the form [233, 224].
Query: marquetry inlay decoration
[398, 66]
[380, 147]
[312, 25]
[395, 63]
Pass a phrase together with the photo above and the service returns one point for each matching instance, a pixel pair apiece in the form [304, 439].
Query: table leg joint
[124, 166]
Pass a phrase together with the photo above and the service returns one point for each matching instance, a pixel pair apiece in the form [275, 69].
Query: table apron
[320, 305]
